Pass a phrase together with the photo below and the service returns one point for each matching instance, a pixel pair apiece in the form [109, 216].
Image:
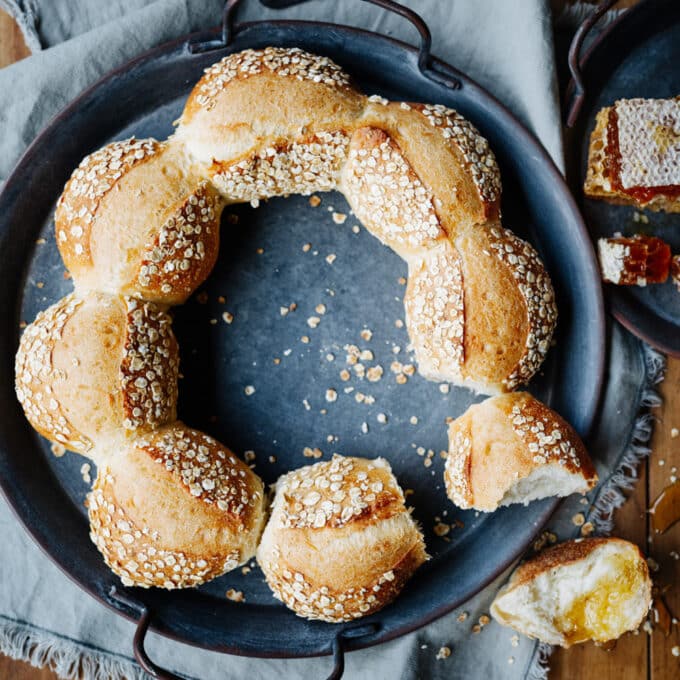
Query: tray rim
[554, 175]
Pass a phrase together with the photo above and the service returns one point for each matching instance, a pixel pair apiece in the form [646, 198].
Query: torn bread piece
[514, 449]
[587, 589]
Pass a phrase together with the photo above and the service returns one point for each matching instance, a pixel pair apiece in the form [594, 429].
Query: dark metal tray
[636, 56]
[218, 360]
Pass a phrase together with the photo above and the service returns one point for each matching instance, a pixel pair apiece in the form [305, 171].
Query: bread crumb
[366, 334]
[374, 373]
[249, 390]
[254, 202]
[249, 456]
[58, 449]
[463, 616]
[286, 352]
[675, 650]
[399, 323]
[652, 564]
[227, 317]
[307, 452]
[331, 395]
[674, 432]
[401, 379]
[364, 427]
[40, 241]
[320, 309]
[356, 228]
[476, 629]
[272, 459]
[413, 420]
[401, 281]
[360, 370]
[366, 355]
[381, 418]
[345, 375]
[484, 620]
[305, 403]
[260, 251]
[662, 462]
[40, 284]
[313, 321]
[444, 388]
[409, 369]
[85, 472]
[514, 640]
[307, 247]
[314, 201]
[444, 653]
[330, 357]
[396, 367]
[587, 529]
[578, 519]
[331, 258]
[213, 322]
[396, 349]
[304, 339]
[339, 218]
[283, 311]
[511, 660]
[235, 595]
[441, 529]
[359, 397]
[246, 570]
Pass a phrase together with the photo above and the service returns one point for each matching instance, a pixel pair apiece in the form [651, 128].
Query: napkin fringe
[68, 659]
[620, 481]
[626, 473]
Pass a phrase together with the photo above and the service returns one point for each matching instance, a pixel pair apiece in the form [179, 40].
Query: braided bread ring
[138, 227]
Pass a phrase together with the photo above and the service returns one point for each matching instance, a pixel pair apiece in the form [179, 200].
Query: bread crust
[78, 389]
[496, 444]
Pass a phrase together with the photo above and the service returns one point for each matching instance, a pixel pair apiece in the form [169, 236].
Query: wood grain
[636, 657]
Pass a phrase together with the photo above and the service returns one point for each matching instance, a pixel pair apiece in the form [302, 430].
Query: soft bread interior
[542, 482]
[598, 597]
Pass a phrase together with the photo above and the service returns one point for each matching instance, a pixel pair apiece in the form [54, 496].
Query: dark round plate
[360, 289]
[637, 56]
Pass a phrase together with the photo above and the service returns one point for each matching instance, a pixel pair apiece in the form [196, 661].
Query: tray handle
[348, 633]
[577, 88]
[120, 598]
[424, 57]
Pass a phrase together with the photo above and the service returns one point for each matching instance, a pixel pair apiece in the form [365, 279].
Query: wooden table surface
[639, 656]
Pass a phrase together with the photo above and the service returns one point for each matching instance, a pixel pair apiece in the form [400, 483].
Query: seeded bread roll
[514, 449]
[634, 154]
[135, 219]
[97, 368]
[588, 589]
[339, 544]
[175, 509]
[269, 122]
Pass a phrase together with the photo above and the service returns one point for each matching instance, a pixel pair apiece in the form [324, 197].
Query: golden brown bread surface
[586, 589]
[175, 509]
[514, 449]
[340, 543]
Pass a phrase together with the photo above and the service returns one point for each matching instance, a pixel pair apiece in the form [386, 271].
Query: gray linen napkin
[505, 46]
